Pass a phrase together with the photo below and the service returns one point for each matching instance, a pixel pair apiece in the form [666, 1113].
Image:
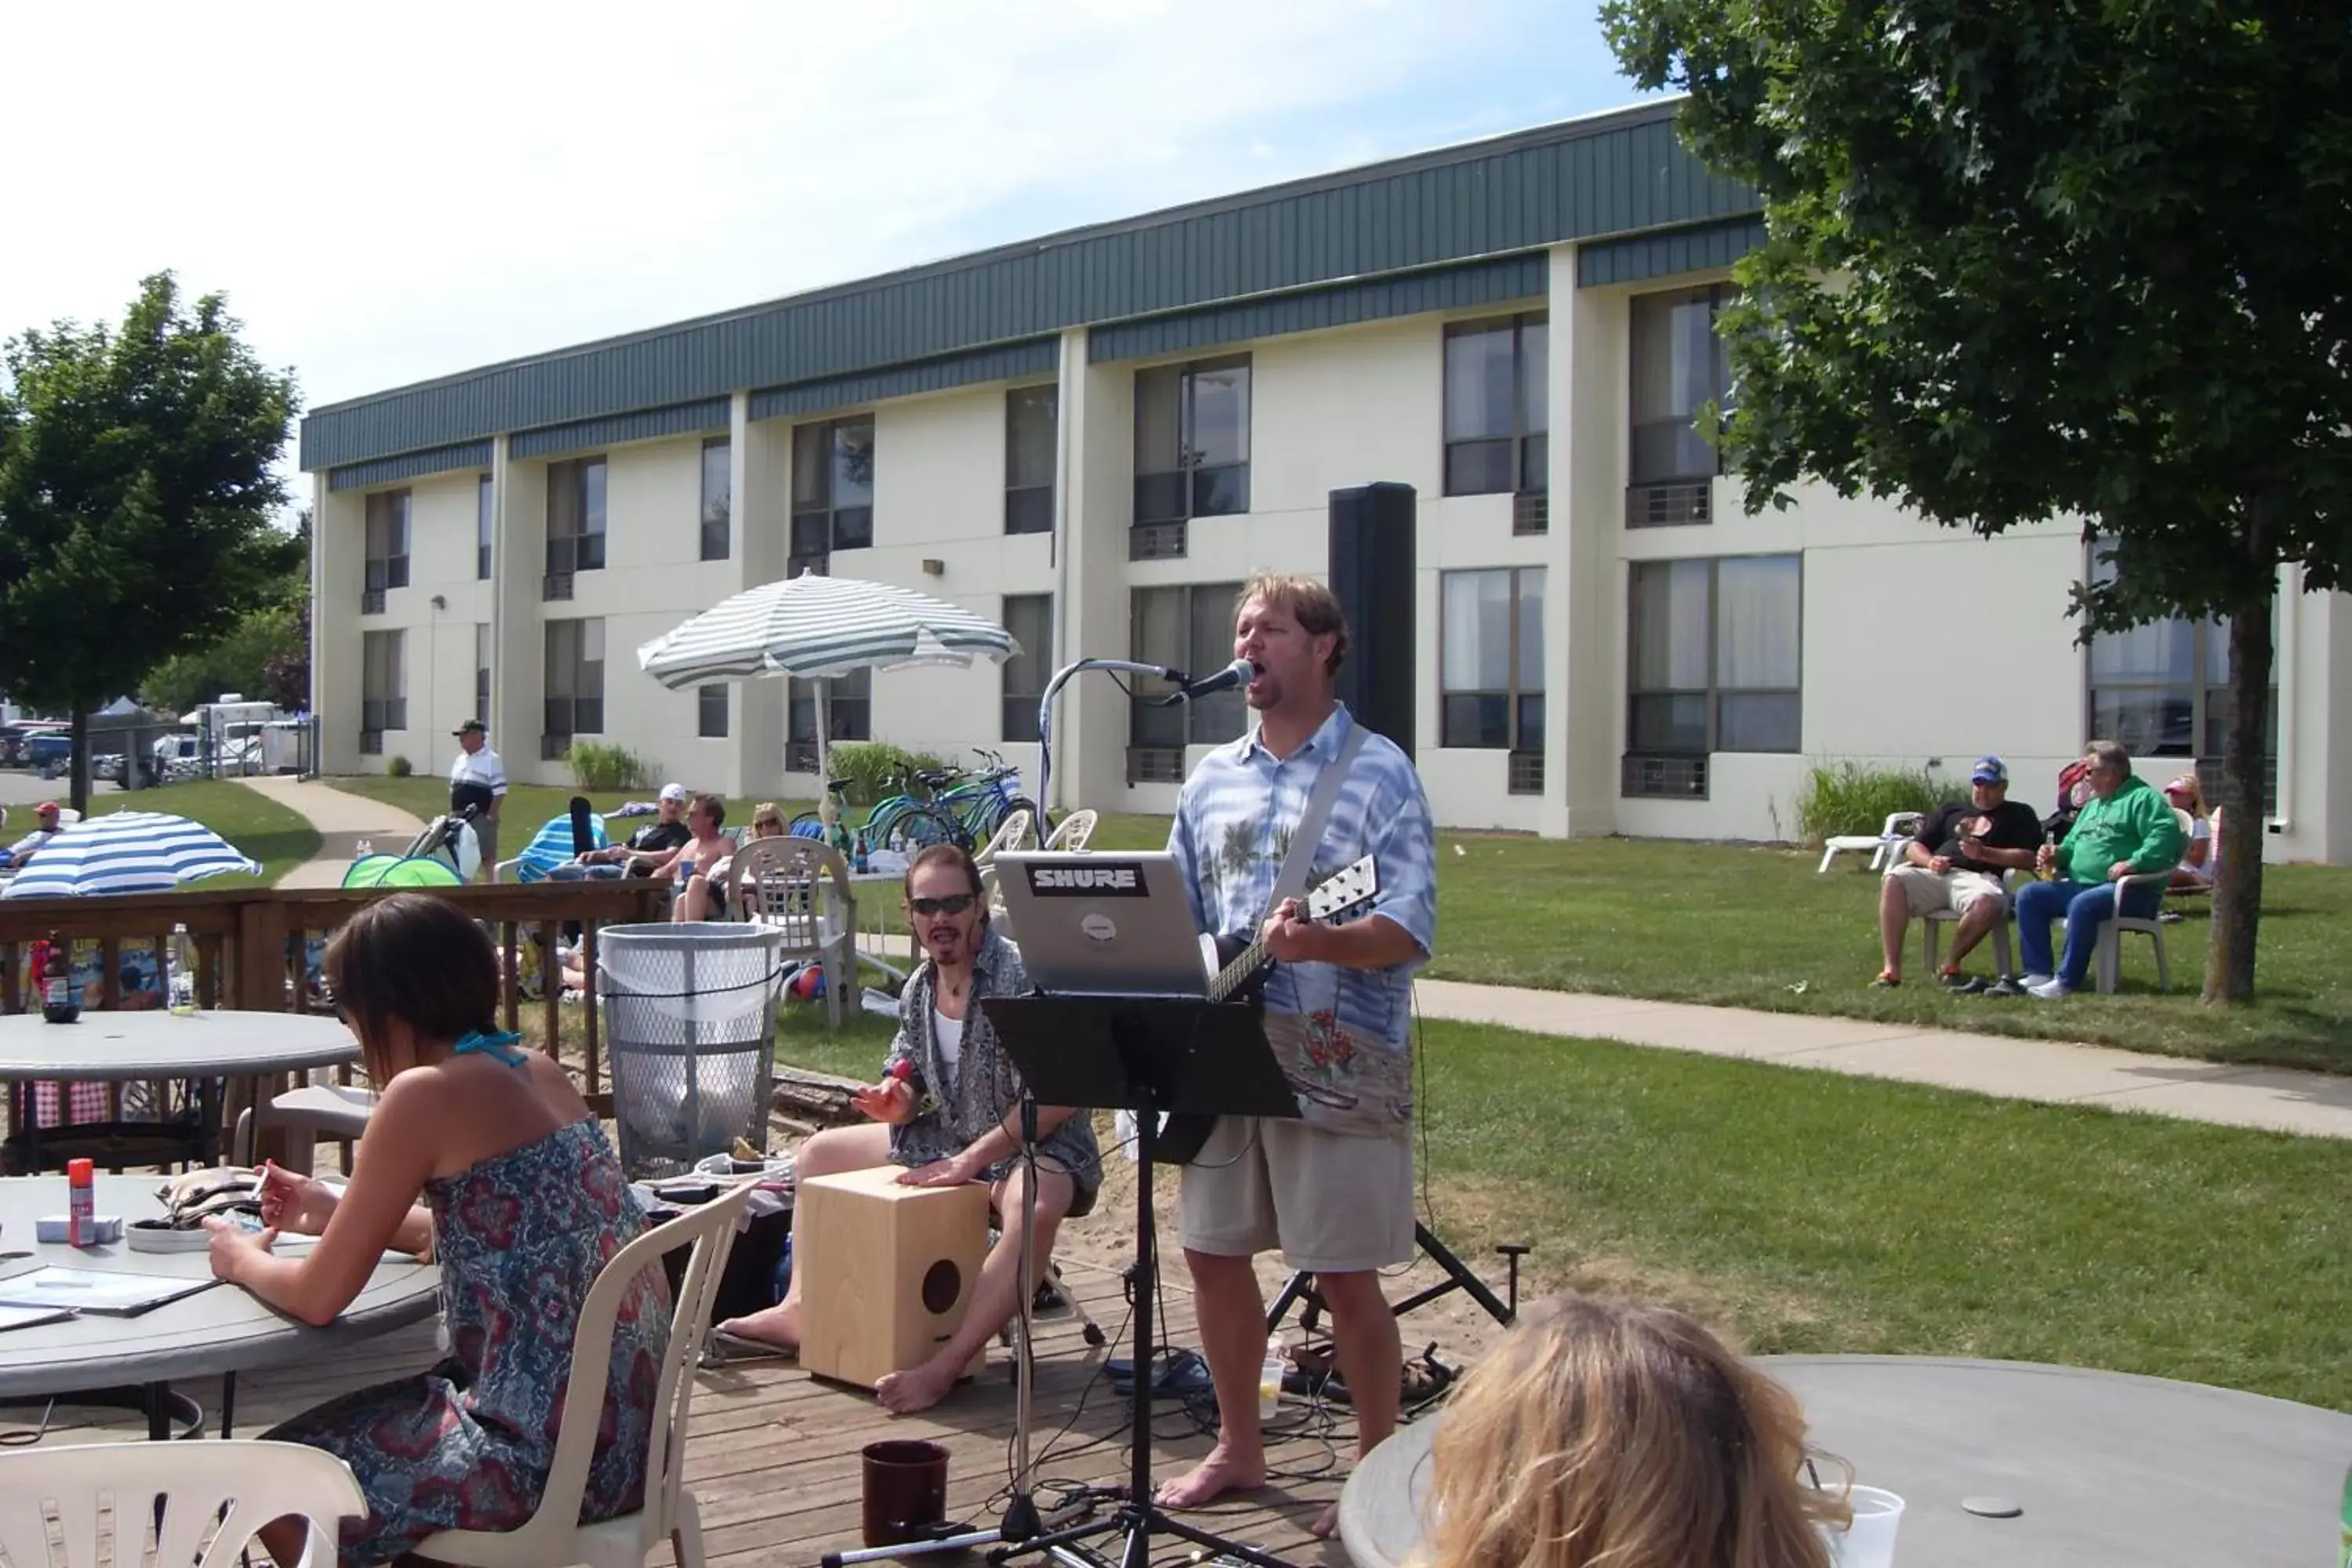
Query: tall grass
[598, 766]
[873, 767]
[1853, 799]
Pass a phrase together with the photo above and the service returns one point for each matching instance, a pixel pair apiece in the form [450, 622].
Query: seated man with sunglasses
[951, 1114]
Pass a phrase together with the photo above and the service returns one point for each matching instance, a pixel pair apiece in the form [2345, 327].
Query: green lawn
[280, 839]
[1814, 1212]
[528, 805]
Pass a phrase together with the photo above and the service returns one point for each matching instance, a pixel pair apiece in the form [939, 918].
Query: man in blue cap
[1954, 862]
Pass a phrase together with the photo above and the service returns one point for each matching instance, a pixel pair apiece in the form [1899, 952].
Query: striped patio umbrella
[127, 852]
[815, 627]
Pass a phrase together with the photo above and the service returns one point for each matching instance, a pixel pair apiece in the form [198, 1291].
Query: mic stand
[1046, 717]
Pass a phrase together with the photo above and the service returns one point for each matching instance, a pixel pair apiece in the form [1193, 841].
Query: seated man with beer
[1953, 862]
[949, 1108]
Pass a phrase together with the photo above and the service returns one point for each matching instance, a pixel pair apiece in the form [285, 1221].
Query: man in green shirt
[2124, 829]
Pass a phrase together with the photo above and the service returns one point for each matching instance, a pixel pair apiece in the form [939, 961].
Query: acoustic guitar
[1241, 977]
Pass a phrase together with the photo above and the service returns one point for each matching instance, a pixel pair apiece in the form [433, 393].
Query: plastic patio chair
[333, 1110]
[780, 882]
[71, 1490]
[1074, 831]
[553, 1537]
[1897, 826]
[2108, 962]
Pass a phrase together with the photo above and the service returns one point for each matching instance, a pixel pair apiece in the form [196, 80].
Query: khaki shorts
[1926, 893]
[1333, 1201]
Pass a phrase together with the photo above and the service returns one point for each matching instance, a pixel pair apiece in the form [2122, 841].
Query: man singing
[1333, 1191]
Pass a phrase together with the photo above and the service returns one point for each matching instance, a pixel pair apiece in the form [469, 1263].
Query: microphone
[1241, 672]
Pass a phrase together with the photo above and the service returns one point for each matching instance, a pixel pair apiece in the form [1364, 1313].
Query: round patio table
[222, 1329]
[134, 1048]
[2103, 1466]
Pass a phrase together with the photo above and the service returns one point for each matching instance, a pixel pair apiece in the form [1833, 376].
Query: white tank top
[949, 1033]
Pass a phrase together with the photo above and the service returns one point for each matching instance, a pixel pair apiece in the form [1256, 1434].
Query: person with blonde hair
[2201, 859]
[1615, 1432]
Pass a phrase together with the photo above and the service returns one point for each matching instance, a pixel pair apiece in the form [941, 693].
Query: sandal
[723, 1349]
[1887, 981]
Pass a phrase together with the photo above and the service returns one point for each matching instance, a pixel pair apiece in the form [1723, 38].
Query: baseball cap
[1990, 770]
[46, 808]
[673, 791]
[471, 726]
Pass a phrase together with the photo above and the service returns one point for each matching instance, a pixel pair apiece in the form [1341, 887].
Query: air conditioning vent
[1673, 778]
[1668, 506]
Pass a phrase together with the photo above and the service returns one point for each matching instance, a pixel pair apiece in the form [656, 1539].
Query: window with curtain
[832, 491]
[711, 712]
[1032, 435]
[849, 705]
[1491, 666]
[575, 516]
[482, 670]
[2162, 690]
[1192, 441]
[1679, 367]
[1716, 655]
[383, 684]
[717, 499]
[575, 679]
[1187, 627]
[1030, 618]
[1496, 375]
[387, 542]
[486, 520]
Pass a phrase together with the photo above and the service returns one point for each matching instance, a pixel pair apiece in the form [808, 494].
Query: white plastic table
[220, 1329]
[2103, 1467]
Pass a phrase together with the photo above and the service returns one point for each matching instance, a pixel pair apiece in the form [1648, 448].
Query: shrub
[1853, 799]
[598, 766]
[873, 767]
[398, 766]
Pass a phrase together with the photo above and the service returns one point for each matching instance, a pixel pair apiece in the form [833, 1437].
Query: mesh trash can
[689, 1016]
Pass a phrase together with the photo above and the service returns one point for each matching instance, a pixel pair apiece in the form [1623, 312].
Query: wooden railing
[251, 942]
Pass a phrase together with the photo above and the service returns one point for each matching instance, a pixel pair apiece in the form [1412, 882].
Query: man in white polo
[479, 779]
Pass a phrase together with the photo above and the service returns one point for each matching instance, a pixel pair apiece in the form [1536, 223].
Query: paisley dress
[467, 1446]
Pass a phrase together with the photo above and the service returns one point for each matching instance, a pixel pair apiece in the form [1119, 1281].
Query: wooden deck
[773, 1454]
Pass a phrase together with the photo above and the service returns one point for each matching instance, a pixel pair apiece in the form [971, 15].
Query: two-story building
[1093, 437]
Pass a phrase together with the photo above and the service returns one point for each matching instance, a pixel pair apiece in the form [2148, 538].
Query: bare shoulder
[554, 1085]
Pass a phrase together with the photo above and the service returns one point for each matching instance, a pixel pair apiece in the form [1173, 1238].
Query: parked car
[50, 750]
[14, 738]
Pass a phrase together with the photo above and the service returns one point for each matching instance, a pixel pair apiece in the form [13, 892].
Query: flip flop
[723, 1349]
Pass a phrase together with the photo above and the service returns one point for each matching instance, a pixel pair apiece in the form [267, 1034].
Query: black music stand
[1150, 1056]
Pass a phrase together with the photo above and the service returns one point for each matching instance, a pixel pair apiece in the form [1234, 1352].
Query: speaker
[886, 1271]
[1372, 573]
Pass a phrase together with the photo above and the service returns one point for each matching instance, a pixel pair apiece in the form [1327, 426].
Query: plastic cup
[1869, 1541]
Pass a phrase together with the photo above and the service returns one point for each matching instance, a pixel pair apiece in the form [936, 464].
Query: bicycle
[981, 806]
[901, 820]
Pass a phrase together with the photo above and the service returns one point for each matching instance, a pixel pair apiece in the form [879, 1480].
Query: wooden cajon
[886, 1271]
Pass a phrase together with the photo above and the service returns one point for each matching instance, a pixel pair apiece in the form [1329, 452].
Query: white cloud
[392, 193]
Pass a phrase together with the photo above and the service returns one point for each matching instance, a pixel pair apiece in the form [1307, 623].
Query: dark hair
[949, 855]
[712, 805]
[415, 958]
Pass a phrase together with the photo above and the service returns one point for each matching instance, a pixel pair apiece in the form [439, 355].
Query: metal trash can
[691, 1019]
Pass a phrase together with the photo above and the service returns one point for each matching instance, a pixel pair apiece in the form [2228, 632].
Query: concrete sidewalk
[342, 819]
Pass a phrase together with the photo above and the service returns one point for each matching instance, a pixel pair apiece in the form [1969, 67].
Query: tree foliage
[136, 496]
[266, 654]
[2028, 260]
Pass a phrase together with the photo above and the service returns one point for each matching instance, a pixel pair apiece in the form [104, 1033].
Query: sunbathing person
[954, 1118]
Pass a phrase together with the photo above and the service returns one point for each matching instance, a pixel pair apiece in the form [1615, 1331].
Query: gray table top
[157, 1043]
[222, 1329]
[2107, 1468]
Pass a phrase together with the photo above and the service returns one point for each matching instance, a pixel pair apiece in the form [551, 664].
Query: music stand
[1150, 1056]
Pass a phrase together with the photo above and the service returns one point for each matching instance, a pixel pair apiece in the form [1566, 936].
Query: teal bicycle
[901, 820]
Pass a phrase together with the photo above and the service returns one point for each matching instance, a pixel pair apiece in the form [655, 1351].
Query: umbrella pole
[823, 751]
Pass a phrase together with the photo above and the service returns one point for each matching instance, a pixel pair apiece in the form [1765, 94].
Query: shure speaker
[1372, 573]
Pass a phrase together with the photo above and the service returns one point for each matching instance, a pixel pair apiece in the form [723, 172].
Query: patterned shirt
[1344, 1036]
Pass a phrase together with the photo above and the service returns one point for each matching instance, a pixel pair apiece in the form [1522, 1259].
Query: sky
[392, 193]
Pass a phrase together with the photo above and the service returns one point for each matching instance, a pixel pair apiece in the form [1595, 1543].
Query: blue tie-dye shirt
[1344, 1036]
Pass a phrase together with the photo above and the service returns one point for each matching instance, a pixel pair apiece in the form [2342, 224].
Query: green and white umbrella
[816, 628]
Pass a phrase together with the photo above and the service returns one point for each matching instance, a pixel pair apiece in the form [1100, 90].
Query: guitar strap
[1291, 882]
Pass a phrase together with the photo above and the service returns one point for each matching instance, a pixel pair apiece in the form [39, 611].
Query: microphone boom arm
[1045, 714]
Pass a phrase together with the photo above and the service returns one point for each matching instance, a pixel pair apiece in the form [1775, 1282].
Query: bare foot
[1212, 1477]
[778, 1325]
[918, 1388]
[1325, 1526]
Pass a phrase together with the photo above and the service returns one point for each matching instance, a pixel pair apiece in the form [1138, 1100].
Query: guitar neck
[1232, 978]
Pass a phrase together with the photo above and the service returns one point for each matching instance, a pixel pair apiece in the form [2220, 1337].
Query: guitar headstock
[1344, 890]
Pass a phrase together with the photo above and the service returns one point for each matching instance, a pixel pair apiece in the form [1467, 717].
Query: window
[482, 670]
[1679, 367]
[575, 683]
[849, 705]
[1495, 384]
[1032, 426]
[717, 498]
[1190, 628]
[1491, 658]
[384, 687]
[486, 519]
[1716, 655]
[2163, 689]
[832, 491]
[575, 522]
[1030, 618]
[388, 546]
[711, 712]
[1192, 441]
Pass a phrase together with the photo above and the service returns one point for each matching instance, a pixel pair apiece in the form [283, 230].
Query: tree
[2027, 260]
[266, 654]
[136, 498]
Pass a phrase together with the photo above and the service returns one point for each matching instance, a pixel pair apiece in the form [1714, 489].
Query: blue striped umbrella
[127, 852]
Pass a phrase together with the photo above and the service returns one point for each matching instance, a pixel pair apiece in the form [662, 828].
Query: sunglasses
[953, 904]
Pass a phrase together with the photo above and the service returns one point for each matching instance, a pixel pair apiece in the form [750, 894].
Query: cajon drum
[886, 1271]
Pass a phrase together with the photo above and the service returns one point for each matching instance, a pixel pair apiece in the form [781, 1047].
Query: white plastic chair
[1932, 927]
[2108, 962]
[72, 1489]
[334, 1110]
[780, 882]
[553, 1537]
[1013, 833]
[1897, 826]
[504, 869]
[1074, 831]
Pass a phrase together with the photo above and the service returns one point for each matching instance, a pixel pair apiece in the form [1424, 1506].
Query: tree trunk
[2237, 891]
[78, 761]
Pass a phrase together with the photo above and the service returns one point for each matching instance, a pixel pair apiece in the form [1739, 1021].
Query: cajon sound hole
[942, 1283]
